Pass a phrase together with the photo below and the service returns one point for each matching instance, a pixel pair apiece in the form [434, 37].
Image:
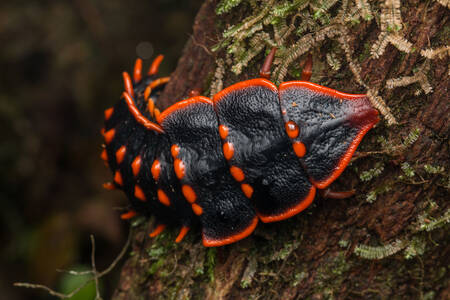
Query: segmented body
[253, 152]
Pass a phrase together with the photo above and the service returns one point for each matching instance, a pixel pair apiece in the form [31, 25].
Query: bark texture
[321, 253]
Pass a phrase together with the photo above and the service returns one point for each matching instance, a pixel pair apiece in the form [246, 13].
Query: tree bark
[385, 242]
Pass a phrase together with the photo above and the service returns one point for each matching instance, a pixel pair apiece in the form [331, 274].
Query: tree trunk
[391, 239]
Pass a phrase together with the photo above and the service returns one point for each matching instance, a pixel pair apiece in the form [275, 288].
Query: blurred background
[61, 64]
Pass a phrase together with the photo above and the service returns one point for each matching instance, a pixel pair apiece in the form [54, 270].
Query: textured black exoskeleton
[253, 152]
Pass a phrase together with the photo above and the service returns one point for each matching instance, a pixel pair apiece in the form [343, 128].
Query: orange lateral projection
[139, 117]
[155, 65]
[137, 74]
[109, 186]
[104, 155]
[128, 84]
[128, 215]
[184, 230]
[160, 228]
[108, 113]
[109, 135]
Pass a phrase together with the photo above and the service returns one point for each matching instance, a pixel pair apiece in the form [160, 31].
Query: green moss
[379, 252]
[211, 262]
[412, 137]
[249, 272]
[331, 274]
[372, 173]
[155, 266]
[416, 247]
[225, 6]
[407, 169]
[298, 277]
[434, 169]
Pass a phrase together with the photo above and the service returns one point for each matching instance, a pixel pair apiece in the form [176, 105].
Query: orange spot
[104, 155]
[139, 193]
[108, 113]
[137, 74]
[228, 150]
[136, 165]
[128, 84]
[247, 189]
[109, 186]
[147, 92]
[233, 238]
[223, 131]
[293, 210]
[292, 129]
[155, 65]
[237, 173]
[184, 230]
[189, 193]
[162, 197]
[299, 149]
[198, 210]
[109, 135]
[120, 154]
[102, 131]
[179, 168]
[156, 169]
[157, 230]
[175, 150]
[128, 215]
[118, 178]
